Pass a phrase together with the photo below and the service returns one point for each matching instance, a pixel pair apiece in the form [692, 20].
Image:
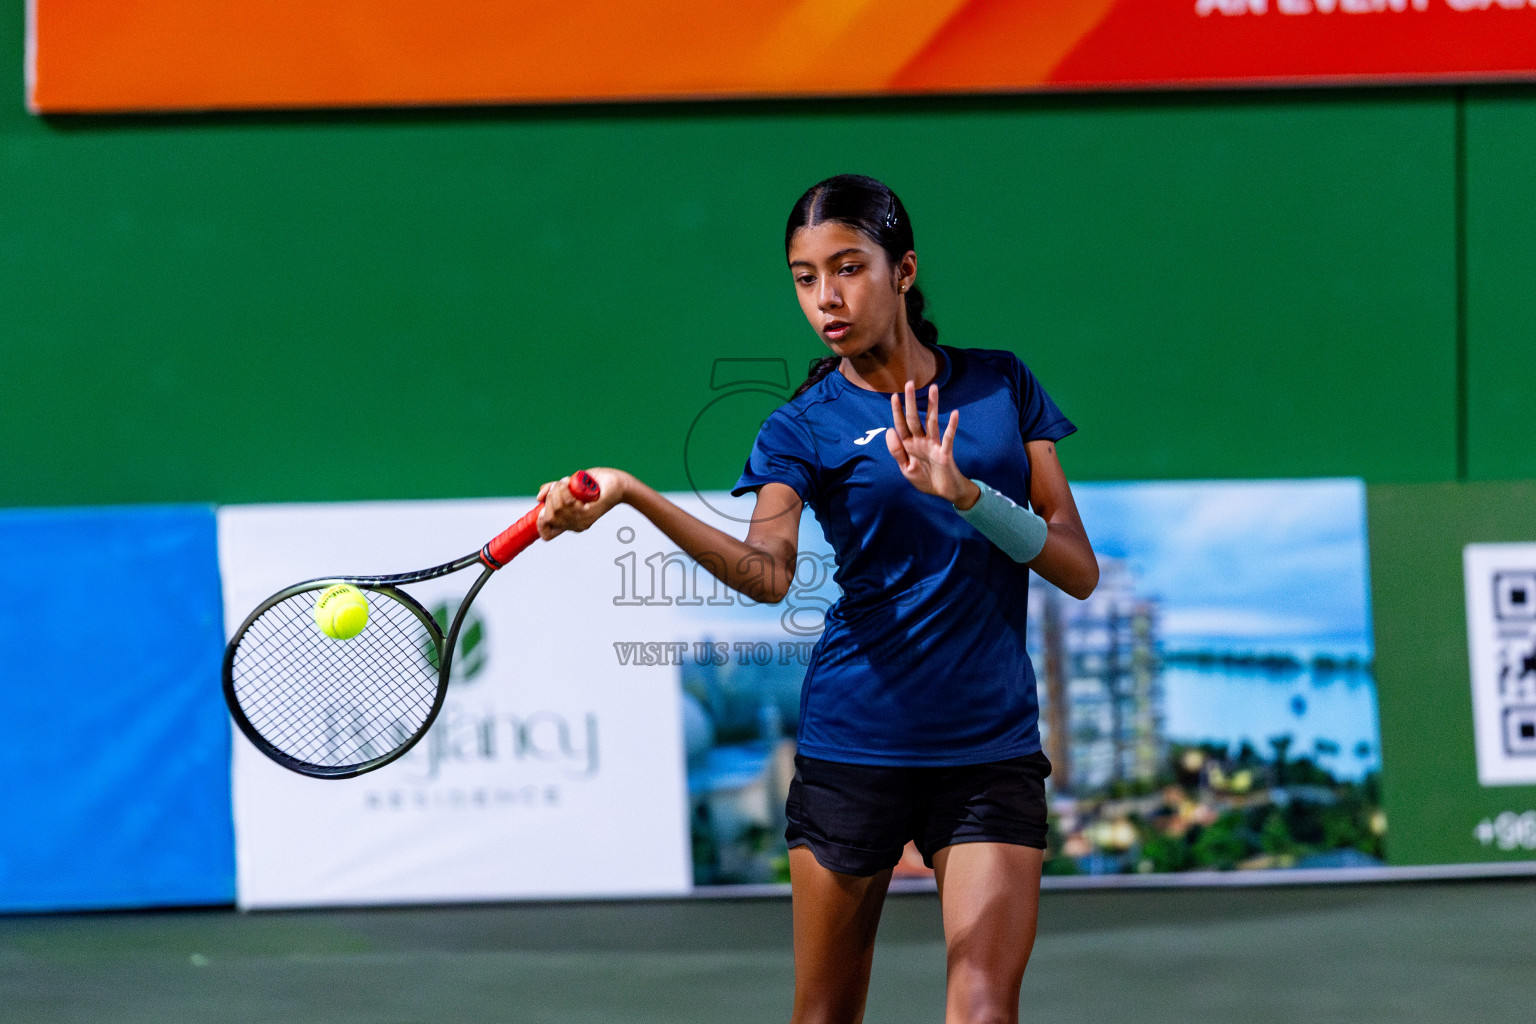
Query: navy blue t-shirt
[922, 661]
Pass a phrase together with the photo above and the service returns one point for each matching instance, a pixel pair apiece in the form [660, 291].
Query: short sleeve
[1039, 419]
[783, 453]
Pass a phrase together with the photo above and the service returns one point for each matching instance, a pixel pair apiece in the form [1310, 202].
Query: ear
[906, 271]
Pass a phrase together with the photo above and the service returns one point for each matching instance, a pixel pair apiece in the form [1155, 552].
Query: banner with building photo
[1211, 706]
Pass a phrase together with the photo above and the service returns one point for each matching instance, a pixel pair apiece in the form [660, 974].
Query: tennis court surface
[1399, 953]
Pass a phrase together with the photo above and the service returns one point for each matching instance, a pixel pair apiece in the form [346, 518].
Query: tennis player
[918, 712]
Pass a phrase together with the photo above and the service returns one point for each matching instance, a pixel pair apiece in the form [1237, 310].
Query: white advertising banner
[1501, 640]
[557, 765]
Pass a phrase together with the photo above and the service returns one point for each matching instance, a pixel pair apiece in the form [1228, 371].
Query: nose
[827, 296]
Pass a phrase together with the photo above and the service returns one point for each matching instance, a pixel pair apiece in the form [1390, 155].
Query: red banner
[125, 55]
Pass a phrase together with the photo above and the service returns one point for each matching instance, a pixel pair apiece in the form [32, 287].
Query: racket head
[335, 708]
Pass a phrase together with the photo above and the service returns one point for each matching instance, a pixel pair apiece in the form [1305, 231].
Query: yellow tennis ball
[341, 611]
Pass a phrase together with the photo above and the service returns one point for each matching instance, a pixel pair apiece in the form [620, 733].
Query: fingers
[547, 523]
[898, 450]
[948, 446]
[914, 422]
[933, 411]
[896, 416]
[547, 530]
[558, 497]
[558, 506]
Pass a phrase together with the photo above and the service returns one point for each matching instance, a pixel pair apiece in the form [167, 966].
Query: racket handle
[512, 541]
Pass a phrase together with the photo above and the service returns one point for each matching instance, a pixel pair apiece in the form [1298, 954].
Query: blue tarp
[114, 741]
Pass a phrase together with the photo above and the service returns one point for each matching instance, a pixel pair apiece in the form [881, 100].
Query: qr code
[1501, 639]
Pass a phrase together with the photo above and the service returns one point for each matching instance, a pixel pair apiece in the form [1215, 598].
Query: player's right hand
[564, 512]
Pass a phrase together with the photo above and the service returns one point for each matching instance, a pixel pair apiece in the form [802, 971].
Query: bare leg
[835, 920]
[991, 898]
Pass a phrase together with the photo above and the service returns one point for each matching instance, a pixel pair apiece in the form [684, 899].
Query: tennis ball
[341, 611]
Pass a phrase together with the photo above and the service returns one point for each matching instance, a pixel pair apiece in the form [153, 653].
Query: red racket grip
[512, 541]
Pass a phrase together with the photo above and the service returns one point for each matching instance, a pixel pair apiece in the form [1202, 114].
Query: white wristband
[1016, 530]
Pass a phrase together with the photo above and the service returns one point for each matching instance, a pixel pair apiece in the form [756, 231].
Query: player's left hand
[924, 456]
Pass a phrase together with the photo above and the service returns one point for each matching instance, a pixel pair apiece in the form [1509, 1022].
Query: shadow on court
[1400, 953]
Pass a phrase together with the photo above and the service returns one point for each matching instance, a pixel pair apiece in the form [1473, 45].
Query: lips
[834, 330]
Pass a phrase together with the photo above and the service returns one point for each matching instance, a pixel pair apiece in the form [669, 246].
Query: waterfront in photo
[1329, 715]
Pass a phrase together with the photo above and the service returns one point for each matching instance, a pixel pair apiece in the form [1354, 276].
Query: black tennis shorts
[857, 818]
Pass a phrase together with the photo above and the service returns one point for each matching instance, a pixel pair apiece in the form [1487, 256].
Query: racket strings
[335, 703]
[335, 711]
[324, 715]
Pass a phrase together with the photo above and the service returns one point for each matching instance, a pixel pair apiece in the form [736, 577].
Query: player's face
[848, 288]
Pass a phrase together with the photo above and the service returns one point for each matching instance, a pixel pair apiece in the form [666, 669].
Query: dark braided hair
[872, 209]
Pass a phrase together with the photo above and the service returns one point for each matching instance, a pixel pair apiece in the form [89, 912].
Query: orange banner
[139, 55]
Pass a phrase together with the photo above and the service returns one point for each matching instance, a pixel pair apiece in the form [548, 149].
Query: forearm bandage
[1018, 531]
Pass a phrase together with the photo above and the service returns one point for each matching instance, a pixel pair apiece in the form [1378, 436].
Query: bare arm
[1067, 559]
[761, 566]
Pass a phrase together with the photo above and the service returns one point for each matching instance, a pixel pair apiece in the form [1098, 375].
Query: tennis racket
[333, 708]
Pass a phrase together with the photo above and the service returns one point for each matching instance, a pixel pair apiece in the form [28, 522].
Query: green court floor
[1399, 953]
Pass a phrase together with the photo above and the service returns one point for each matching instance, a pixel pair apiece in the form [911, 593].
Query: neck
[889, 364]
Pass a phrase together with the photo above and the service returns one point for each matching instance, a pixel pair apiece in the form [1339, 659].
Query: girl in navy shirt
[919, 717]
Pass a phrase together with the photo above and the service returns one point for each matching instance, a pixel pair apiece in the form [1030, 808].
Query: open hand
[924, 457]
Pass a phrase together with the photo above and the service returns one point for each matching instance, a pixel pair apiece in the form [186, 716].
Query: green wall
[435, 303]
[1501, 277]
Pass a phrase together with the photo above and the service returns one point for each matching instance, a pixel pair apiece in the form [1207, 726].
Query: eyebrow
[840, 252]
